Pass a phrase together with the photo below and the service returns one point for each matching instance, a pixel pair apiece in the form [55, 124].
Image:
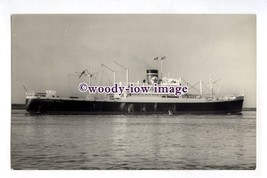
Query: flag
[156, 58]
[163, 57]
[83, 72]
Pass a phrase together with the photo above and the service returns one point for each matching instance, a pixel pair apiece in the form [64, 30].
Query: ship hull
[66, 106]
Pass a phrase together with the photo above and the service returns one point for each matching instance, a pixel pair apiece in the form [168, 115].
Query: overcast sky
[46, 49]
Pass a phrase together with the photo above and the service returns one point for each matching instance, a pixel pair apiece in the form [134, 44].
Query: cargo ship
[137, 103]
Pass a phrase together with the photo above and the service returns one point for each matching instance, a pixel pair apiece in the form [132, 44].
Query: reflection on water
[133, 142]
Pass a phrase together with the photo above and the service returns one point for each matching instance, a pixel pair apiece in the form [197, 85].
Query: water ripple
[133, 142]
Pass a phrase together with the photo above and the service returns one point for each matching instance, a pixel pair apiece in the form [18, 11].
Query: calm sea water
[133, 142]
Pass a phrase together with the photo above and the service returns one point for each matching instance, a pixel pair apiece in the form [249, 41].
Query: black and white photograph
[133, 91]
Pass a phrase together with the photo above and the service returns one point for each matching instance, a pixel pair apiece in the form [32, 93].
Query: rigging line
[206, 86]
[25, 88]
[217, 80]
[183, 80]
[190, 86]
[219, 87]
[100, 77]
[193, 85]
[194, 88]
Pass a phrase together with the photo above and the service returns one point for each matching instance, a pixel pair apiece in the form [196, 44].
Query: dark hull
[61, 106]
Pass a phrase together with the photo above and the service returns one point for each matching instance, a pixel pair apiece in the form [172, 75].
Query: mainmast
[161, 63]
[211, 85]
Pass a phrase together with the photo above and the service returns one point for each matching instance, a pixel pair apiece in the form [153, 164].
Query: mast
[200, 88]
[161, 62]
[219, 86]
[127, 72]
[90, 75]
[114, 72]
[211, 85]
[86, 73]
